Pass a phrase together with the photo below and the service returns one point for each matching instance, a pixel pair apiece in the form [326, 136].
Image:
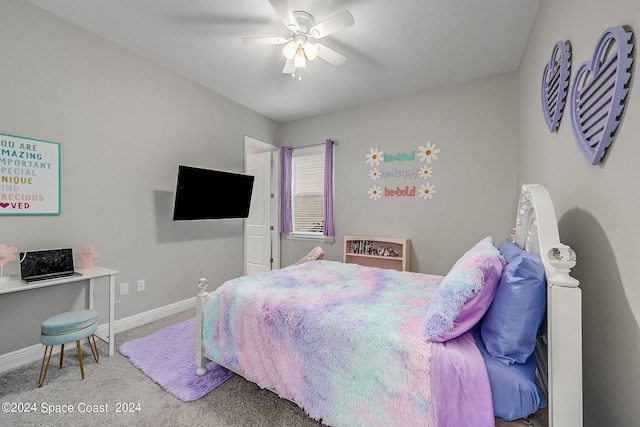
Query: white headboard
[559, 353]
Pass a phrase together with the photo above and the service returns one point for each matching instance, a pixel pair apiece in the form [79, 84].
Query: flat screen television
[211, 194]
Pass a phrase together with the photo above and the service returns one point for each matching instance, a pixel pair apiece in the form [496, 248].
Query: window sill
[310, 236]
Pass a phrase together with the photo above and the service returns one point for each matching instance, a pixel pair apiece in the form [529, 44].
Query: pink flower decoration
[7, 254]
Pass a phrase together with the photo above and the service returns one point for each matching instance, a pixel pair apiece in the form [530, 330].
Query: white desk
[15, 284]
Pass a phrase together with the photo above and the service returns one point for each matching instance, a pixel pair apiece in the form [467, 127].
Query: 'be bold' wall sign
[402, 173]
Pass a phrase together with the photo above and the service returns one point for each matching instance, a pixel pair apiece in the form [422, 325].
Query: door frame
[251, 146]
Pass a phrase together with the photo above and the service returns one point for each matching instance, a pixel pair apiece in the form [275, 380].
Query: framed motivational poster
[29, 176]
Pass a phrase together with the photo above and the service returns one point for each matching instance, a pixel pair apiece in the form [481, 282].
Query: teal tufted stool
[64, 328]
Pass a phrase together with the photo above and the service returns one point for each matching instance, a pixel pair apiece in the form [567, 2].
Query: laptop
[45, 265]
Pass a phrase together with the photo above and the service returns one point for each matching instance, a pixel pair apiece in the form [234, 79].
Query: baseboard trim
[32, 353]
[149, 316]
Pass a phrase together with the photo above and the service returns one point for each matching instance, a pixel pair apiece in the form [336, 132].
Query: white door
[258, 230]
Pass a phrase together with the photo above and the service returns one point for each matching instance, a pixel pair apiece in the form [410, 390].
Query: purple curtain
[329, 229]
[286, 225]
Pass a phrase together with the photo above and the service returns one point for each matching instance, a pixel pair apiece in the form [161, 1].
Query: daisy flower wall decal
[427, 191]
[374, 192]
[428, 152]
[374, 174]
[374, 157]
[426, 172]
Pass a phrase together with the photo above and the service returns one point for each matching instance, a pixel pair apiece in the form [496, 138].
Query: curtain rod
[313, 145]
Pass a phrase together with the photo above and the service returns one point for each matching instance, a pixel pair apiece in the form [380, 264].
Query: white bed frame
[537, 232]
[559, 352]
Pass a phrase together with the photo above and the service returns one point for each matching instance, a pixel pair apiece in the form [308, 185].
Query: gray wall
[596, 206]
[123, 124]
[475, 127]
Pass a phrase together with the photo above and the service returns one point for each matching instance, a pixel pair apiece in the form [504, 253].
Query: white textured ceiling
[396, 47]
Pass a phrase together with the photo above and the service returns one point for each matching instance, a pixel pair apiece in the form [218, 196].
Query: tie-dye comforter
[343, 342]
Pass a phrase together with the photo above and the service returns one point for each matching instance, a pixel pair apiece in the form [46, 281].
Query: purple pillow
[464, 294]
[510, 326]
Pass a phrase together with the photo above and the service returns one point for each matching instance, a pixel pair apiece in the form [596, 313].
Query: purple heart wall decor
[599, 93]
[555, 82]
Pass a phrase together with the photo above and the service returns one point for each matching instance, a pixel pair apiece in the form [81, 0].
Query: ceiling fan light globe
[290, 49]
[310, 51]
[300, 61]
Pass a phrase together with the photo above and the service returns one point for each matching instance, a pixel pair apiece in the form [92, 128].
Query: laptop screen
[40, 265]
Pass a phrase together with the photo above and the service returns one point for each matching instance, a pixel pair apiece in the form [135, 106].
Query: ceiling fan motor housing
[305, 23]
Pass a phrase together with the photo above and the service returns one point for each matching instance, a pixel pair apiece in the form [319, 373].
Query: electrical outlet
[124, 289]
[140, 285]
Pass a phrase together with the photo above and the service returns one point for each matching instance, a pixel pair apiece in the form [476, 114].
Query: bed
[362, 346]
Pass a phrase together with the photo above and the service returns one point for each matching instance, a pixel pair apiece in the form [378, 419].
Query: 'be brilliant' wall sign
[29, 176]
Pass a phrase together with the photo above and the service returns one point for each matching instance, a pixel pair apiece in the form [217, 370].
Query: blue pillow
[510, 325]
[514, 388]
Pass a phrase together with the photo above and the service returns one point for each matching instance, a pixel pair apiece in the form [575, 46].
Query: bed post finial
[562, 258]
[202, 284]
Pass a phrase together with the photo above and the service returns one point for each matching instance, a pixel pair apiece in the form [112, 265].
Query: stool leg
[61, 355]
[93, 347]
[43, 367]
[80, 358]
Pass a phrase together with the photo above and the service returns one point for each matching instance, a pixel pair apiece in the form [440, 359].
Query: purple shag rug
[168, 357]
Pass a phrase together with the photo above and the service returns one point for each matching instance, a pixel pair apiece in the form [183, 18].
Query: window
[306, 203]
[307, 190]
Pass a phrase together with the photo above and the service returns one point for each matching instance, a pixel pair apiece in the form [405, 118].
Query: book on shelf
[361, 247]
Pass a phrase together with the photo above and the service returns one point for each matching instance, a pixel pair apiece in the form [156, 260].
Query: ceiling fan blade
[284, 13]
[289, 68]
[261, 41]
[332, 25]
[331, 56]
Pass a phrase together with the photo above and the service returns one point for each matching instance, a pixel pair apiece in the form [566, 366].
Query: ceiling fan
[300, 46]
